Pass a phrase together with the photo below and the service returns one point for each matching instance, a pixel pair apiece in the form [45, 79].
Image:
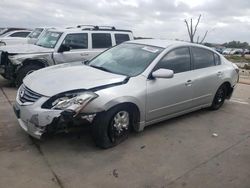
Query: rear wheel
[24, 71]
[112, 127]
[219, 98]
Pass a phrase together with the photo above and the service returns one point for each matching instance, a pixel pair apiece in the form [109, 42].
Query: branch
[204, 37]
[188, 29]
[198, 21]
[198, 39]
[191, 30]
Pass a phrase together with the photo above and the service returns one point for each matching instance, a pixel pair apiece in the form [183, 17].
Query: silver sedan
[126, 88]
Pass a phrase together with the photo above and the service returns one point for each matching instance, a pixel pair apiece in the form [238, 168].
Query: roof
[75, 29]
[164, 43]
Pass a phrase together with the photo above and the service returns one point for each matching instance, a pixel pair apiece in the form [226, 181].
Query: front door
[78, 43]
[166, 96]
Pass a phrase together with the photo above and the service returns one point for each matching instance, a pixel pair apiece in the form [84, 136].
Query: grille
[27, 95]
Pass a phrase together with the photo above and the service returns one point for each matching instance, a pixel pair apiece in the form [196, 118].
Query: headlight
[2, 43]
[75, 102]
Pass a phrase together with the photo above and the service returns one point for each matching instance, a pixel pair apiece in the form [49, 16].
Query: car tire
[219, 97]
[112, 127]
[24, 71]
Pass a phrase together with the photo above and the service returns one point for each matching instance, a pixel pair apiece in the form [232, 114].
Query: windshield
[2, 30]
[126, 59]
[6, 34]
[49, 39]
[35, 33]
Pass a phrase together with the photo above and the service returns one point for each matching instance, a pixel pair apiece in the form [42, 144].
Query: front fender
[46, 59]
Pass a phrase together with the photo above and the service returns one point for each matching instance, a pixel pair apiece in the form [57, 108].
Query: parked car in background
[14, 37]
[36, 34]
[16, 33]
[227, 51]
[4, 30]
[58, 46]
[128, 87]
[246, 51]
[236, 51]
[31, 38]
[220, 50]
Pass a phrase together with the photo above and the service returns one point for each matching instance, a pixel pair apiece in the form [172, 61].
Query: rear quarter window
[202, 58]
[217, 59]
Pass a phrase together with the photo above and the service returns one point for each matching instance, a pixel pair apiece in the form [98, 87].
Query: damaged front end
[40, 116]
[7, 69]
[67, 122]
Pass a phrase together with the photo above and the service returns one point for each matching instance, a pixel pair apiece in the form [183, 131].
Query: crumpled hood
[25, 49]
[66, 77]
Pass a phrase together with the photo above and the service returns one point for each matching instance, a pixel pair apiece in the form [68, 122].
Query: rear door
[99, 42]
[208, 73]
[79, 51]
[172, 95]
[121, 37]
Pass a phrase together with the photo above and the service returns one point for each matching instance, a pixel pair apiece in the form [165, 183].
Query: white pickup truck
[58, 46]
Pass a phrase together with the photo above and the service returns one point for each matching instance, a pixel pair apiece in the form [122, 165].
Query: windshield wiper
[39, 45]
[101, 68]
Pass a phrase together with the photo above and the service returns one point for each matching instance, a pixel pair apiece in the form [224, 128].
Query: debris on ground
[215, 135]
[142, 147]
[115, 173]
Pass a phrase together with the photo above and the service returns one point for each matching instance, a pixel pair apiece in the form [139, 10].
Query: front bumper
[37, 121]
[33, 119]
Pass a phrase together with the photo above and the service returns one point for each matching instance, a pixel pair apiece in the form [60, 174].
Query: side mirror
[163, 73]
[64, 48]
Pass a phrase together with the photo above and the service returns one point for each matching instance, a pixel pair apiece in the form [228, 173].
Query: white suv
[58, 46]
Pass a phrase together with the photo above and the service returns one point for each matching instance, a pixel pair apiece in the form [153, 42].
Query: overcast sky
[225, 20]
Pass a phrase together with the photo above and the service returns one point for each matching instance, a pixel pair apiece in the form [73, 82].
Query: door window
[76, 41]
[177, 60]
[119, 38]
[101, 40]
[217, 59]
[202, 58]
[20, 34]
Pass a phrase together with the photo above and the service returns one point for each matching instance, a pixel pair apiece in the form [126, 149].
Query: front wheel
[112, 127]
[219, 98]
[24, 71]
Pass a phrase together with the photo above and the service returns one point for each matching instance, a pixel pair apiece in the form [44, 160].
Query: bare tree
[192, 30]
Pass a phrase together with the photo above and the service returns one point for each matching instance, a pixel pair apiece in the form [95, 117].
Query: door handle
[84, 54]
[189, 83]
[219, 73]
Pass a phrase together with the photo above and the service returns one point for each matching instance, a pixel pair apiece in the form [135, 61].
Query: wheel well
[229, 89]
[35, 62]
[135, 114]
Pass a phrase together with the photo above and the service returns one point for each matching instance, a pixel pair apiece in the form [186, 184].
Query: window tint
[177, 60]
[35, 33]
[202, 58]
[101, 40]
[20, 34]
[49, 39]
[119, 38]
[76, 40]
[217, 59]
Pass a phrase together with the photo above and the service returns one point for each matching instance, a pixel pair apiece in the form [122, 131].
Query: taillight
[236, 68]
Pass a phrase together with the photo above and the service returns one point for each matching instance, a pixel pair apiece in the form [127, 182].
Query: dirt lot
[181, 152]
